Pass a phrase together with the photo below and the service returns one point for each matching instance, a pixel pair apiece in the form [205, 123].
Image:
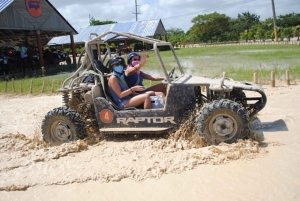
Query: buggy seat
[105, 73]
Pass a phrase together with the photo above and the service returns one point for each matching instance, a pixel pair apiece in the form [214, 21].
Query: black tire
[223, 121]
[62, 125]
[238, 95]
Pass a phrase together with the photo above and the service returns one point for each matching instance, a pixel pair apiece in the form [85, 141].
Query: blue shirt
[131, 80]
[119, 101]
[23, 52]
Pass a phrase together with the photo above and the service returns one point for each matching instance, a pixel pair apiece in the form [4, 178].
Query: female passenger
[123, 95]
[134, 76]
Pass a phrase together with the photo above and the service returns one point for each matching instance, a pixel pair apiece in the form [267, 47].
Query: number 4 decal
[106, 116]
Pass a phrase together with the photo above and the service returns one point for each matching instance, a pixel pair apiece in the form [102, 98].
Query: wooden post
[151, 83]
[21, 86]
[53, 83]
[272, 79]
[43, 87]
[13, 85]
[73, 47]
[5, 89]
[255, 78]
[287, 73]
[31, 85]
[40, 48]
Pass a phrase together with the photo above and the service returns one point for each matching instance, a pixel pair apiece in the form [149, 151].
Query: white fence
[240, 43]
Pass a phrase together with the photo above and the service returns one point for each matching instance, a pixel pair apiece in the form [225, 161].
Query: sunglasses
[134, 59]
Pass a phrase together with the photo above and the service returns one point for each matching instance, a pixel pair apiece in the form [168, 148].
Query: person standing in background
[24, 57]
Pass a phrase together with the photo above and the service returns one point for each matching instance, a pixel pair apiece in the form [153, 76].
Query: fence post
[255, 78]
[5, 89]
[21, 86]
[13, 85]
[287, 77]
[53, 83]
[43, 87]
[31, 85]
[272, 79]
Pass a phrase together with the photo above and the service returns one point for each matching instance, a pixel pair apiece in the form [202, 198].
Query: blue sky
[173, 13]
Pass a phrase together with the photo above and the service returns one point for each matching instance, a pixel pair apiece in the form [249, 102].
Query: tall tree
[210, 27]
[175, 36]
[288, 20]
[94, 22]
[296, 32]
[287, 33]
[235, 30]
[245, 21]
[268, 26]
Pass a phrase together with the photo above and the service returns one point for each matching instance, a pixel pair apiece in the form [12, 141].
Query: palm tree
[296, 32]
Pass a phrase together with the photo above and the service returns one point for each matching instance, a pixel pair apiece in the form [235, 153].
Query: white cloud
[174, 13]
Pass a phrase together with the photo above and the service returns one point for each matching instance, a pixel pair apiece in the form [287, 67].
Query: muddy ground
[150, 167]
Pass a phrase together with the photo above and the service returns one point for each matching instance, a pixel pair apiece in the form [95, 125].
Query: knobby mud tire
[62, 125]
[223, 121]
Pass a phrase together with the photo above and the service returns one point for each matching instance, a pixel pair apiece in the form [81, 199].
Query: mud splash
[188, 131]
[28, 162]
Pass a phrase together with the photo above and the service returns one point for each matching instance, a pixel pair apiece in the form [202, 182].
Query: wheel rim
[224, 126]
[61, 131]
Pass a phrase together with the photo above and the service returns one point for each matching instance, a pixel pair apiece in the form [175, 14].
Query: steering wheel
[171, 73]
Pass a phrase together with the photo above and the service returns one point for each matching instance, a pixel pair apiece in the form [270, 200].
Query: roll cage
[93, 46]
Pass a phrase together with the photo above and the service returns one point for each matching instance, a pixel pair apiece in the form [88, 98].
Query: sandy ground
[150, 168]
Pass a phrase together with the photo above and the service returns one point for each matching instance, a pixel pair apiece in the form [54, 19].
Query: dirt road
[150, 168]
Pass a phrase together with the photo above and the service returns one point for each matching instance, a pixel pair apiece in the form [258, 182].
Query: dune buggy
[225, 110]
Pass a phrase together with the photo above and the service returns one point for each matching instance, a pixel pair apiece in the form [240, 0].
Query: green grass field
[239, 62]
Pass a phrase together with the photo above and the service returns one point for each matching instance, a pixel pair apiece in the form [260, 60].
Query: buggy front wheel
[62, 125]
[223, 121]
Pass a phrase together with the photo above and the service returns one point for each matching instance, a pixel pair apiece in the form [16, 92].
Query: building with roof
[150, 28]
[26, 20]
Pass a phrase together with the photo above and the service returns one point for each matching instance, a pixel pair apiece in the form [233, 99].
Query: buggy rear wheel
[62, 125]
[223, 121]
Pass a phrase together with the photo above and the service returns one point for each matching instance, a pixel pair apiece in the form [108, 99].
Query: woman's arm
[129, 71]
[150, 77]
[143, 61]
[114, 84]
